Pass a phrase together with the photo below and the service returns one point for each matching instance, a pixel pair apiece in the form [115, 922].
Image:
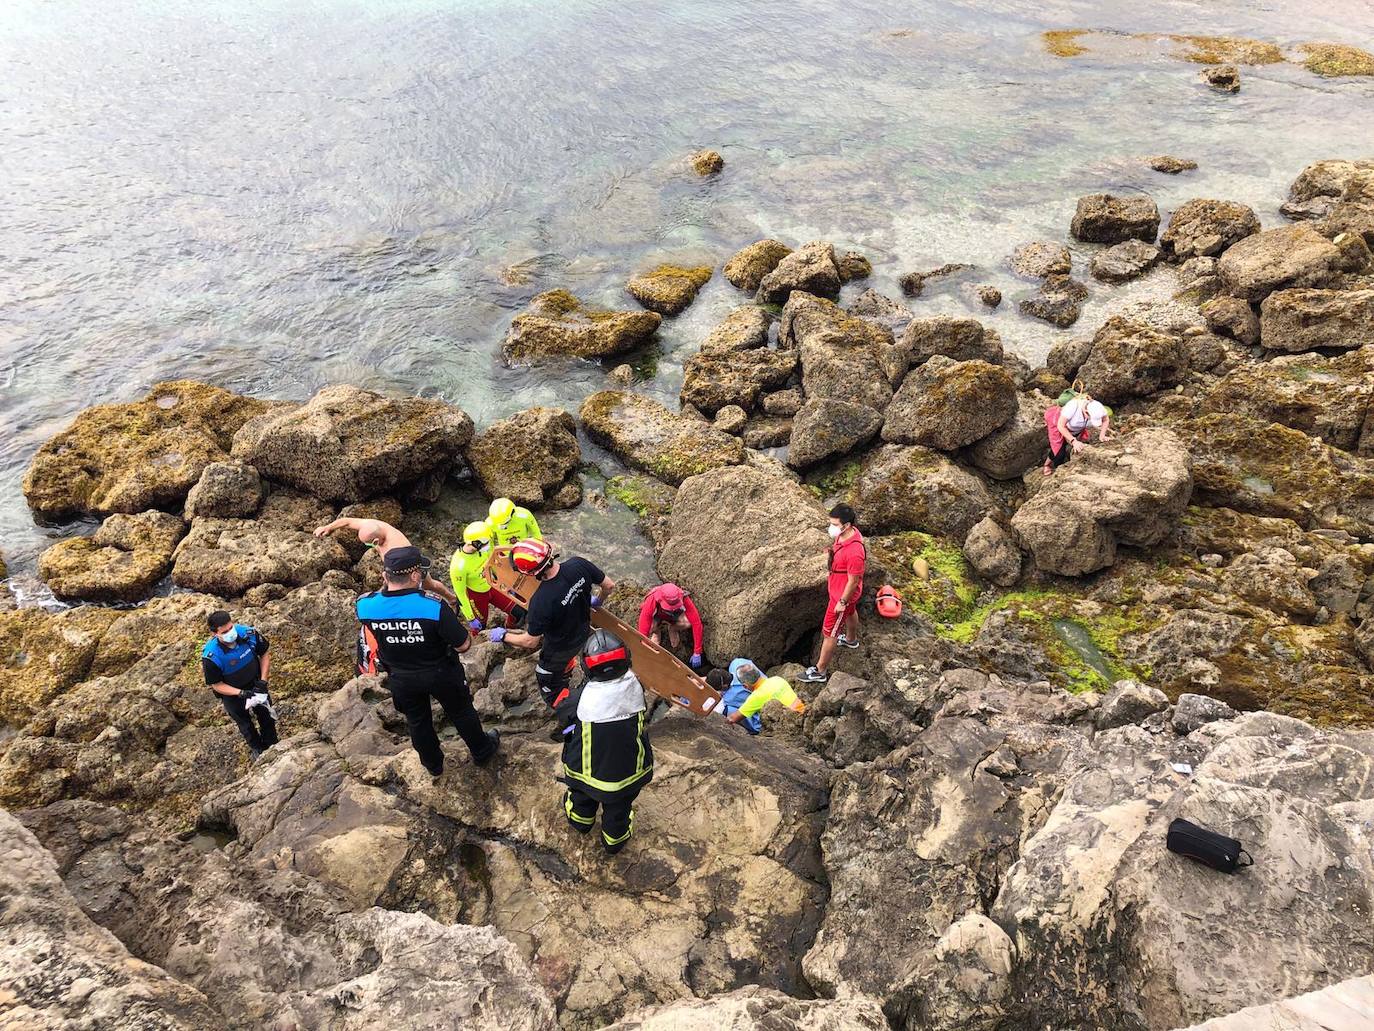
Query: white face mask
[229, 637]
[835, 531]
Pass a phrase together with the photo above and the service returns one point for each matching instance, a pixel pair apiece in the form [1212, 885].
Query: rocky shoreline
[966, 829]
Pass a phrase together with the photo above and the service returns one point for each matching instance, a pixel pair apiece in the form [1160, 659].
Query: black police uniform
[561, 613]
[415, 635]
[239, 666]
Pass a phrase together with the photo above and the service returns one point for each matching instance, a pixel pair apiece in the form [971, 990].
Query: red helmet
[531, 556]
[889, 602]
[605, 657]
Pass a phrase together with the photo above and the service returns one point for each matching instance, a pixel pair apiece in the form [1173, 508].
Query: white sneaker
[845, 642]
[814, 676]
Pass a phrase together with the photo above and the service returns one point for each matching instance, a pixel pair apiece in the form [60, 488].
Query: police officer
[560, 613]
[236, 663]
[607, 758]
[418, 640]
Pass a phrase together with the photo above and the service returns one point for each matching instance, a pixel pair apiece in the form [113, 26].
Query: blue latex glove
[475, 625]
[596, 601]
[498, 635]
[696, 661]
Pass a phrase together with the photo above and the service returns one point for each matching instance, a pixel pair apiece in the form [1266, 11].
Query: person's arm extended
[1064, 430]
[458, 577]
[342, 523]
[263, 650]
[604, 588]
[521, 639]
[693, 617]
[438, 587]
[452, 632]
[1106, 432]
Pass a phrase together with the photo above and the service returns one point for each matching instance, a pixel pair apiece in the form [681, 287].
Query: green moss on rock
[1332, 60]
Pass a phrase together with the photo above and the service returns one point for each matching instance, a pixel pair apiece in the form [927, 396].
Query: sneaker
[845, 642]
[813, 676]
[254, 754]
[494, 736]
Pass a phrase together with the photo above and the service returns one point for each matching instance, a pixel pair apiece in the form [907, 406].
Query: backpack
[1206, 847]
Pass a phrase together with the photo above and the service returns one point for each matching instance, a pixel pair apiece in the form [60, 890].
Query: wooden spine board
[660, 671]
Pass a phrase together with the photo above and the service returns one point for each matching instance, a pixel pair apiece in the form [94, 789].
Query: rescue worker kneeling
[607, 759]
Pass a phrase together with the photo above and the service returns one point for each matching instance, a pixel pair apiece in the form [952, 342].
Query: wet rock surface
[121, 561]
[1105, 218]
[649, 437]
[558, 324]
[531, 458]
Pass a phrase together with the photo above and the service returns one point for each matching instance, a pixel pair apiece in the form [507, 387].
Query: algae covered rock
[530, 457]
[668, 289]
[1059, 301]
[948, 405]
[825, 429]
[811, 268]
[852, 266]
[707, 162]
[348, 444]
[1292, 256]
[842, 355]
[753, 1007]
[1040, 259]
[1206, 228]
[134, 457]
[1170, 165]
[758, 578]
[744, 329]
[1131, 490]
[1232, 317]
[1327, 398]
[1316, 191]
[122, 561]
[645, 435]
[226, 490]
[1308, 320]
[914, 488]
[1334, 60]
[44, 654]
[958, 338]
[1223, 78]
[1130, 359]
[1104, 218]
[992, 551]
[748, 266]
[711, 381]
[557, 324]
[229, 556]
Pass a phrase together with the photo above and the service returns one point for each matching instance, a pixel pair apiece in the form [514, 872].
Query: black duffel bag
[1206, 847]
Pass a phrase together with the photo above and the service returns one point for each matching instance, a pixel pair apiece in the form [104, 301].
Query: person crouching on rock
[560, 613]
[749, 691]
[846, 584]
[236, 663]
[1068, 427]
[607, 758]
[418, 640]
[670, 609]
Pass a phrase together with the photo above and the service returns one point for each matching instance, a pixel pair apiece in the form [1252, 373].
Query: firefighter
[607, 758]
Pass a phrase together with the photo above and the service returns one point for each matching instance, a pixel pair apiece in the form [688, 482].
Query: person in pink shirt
[668, 607]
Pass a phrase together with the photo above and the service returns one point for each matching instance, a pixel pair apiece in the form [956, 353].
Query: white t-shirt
[1080, 415]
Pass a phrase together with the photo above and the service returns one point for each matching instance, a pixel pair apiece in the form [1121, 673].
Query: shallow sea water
[276, 195]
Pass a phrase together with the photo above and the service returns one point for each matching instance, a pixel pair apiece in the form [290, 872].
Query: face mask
[835, 531]
[230, 637]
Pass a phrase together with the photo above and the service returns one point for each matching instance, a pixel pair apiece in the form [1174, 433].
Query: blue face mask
[229, 638]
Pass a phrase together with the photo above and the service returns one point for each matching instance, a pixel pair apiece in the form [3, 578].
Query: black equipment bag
[1206, 847]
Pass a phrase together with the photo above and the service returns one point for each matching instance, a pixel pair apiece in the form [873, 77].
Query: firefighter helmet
[605, 657]
[531, 556]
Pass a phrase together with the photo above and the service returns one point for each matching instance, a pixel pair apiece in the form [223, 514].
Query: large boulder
[557, 324]
[229, 556]
[759, 577]
[842, 355]
[1041, 258]
[756, 1009]
[913, 488]
[121, 561]
[134, 457]
[1123, 262]
[1293, 256]
[531, 458]
[1132, 490]
[1104, 218]
[1131, 359]
[45, 654]
[947, 405]
[1205, 228]
[824, 429]
[958, 338]
[710, 381]
[1230, 316]
[993, 553]
[1320, 185]
[645, 435]
[668, 289]
[1020, 444]
[347, 444]
[59, 969]
[744, 329]
[811, 268]
[963, 983]
[747, 267]
[1308, 320]
[1059, 301]
[226, 490]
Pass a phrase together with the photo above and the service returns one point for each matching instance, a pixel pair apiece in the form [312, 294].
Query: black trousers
[260, 737]
[617, 815]
[553, 680]
[411, 694]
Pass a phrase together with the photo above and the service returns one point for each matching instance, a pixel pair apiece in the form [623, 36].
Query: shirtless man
[383, 536]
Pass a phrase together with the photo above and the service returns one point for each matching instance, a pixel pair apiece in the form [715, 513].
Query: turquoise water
[278, 195]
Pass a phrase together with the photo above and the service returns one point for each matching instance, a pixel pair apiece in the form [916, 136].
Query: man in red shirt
[846, 584]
